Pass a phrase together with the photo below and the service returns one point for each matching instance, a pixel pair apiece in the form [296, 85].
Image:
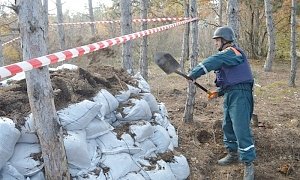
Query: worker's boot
[231, 157]
[249, 171]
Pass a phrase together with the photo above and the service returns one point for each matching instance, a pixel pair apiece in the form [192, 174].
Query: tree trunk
[271, 36]
[61, 31]
[1, 55]
[293, 46]
[144, 42]
[126, 28]
[92, 19]
[190, 102]
[40, 92]
[46, 20]
[254, 31]
[233, 17]
[257, 46]
[185, 51]
[220, 12]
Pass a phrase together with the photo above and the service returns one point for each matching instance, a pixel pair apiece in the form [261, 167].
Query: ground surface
[277, 106]
[277, 135]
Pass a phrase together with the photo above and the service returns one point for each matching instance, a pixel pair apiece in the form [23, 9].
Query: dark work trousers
[238, 109]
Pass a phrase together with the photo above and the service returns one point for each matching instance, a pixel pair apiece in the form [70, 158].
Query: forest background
[253, 37]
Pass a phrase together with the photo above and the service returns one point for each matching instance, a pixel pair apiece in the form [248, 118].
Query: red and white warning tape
[118, 21]
[28, 65]
[10, 41]
[109, 22]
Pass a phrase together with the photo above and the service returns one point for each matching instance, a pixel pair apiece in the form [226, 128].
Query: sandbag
[107, 101]
[9, 136]
[163, 110]
[159, 119]
[180, 167]
[28, 131]
[133, 90]
[39, 176]
[28, 137]
[94, 152]
[151, 100]
[123, 96]
[173, 135]
[142, 130]
[142, 83]
[9, 172]
[23, 159]
[78, 116]
[119, 165]
[148, 149]
[132, 176]
[97, 127]
[139, 110]
[110, 118]
[77, 149]
[161, 172]
[161, 139]
[110, 144]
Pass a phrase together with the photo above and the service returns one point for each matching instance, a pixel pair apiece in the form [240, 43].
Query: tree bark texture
[233, 17]
[185, 51]
[293, 46]
[144, 42]
[220, 12]
[1, 55]
[126, 28]
[190, 102]
[92, 19]
[46, 20]
[40, 92]
[254, 36]
[271, 36]
[61, 31]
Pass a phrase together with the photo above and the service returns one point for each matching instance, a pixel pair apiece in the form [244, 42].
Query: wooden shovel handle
[188, 78]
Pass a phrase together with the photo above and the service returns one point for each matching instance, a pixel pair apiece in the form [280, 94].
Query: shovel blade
[166, 62]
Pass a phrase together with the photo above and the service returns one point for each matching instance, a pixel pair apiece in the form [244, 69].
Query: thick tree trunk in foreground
[190, 102]
[40, 92]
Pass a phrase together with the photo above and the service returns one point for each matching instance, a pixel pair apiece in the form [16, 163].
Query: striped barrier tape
[118, 21]
[38, 62]
[109, 22]
[10, 41]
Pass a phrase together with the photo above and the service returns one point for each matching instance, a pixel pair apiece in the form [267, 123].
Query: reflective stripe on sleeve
[203, 67]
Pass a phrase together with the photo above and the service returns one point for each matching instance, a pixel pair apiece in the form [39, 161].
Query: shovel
[169, 65]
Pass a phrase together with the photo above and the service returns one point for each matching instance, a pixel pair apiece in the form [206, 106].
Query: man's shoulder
[226, 51]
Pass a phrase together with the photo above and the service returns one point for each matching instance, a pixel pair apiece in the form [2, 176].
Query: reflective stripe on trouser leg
[240, 108]
[229, 138]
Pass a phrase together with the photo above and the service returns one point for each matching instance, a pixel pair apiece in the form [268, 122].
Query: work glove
[212, 95]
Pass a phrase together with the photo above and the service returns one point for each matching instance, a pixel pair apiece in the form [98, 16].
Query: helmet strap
[223, 44]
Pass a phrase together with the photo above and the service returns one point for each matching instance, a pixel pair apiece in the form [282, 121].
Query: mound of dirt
[69, 87]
